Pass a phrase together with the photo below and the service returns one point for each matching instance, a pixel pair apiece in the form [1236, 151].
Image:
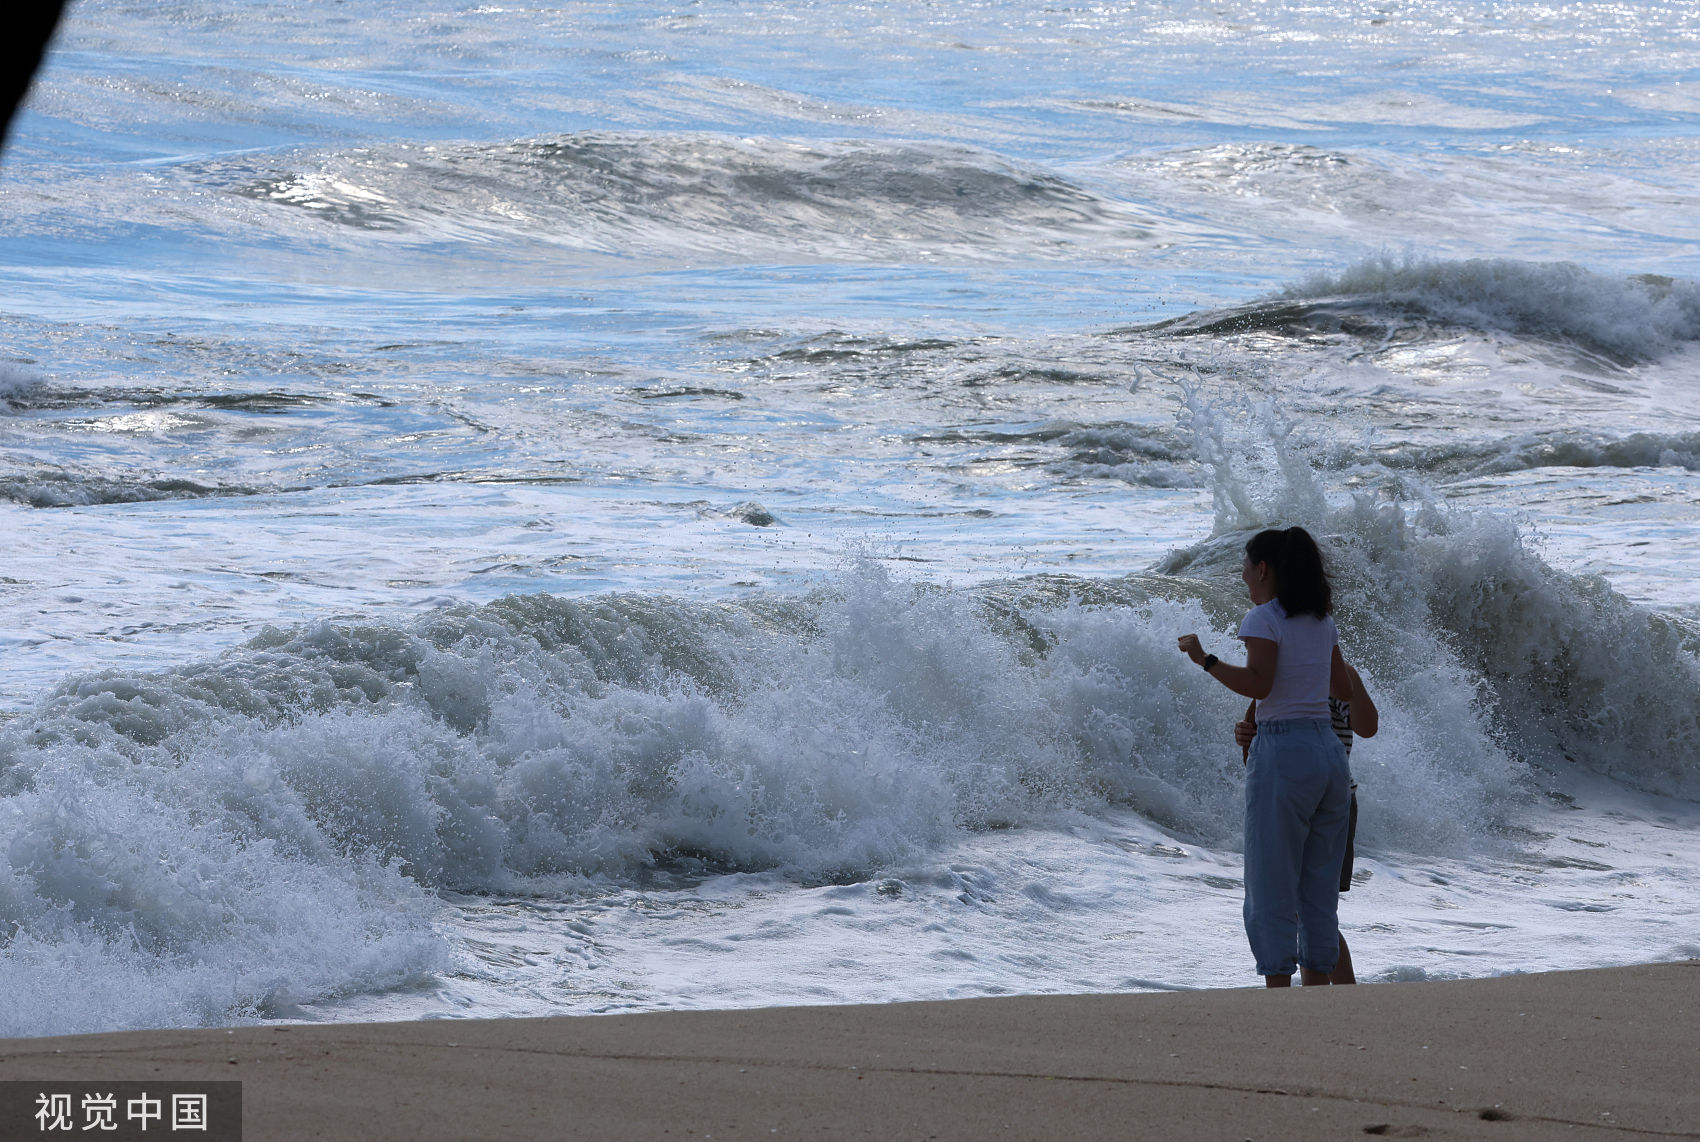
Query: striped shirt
[1340, 716]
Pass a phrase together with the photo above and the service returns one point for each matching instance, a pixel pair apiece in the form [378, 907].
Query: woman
[1297, 790]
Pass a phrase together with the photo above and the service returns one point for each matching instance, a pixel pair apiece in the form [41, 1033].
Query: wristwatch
[1209, 661]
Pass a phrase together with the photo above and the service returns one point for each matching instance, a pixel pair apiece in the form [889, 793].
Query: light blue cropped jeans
[1297, 802]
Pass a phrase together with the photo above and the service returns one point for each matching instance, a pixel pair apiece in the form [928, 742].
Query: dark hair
[1301, 580]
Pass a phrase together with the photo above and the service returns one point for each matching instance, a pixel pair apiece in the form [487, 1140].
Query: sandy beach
[1608, 1053]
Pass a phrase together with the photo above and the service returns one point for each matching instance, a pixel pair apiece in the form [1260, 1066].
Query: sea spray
[1582, 675]
[129, 899]
[1538, 665]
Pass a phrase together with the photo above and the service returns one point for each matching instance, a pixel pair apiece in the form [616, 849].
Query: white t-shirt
[1301, 668]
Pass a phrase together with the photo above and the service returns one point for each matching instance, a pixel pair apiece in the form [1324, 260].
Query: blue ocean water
[614, 506]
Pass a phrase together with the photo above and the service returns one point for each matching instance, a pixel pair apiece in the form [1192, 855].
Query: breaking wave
[1625, 320]
[293, 805]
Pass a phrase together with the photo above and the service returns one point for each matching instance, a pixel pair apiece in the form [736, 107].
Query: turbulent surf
[612, 508]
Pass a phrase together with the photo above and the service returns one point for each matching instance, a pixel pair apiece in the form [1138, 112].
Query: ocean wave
[1565, 670]
[1132, 453]
[1627, 319]
[1622, 319]
[742, 197]
[18, 383]
[1556, 449]
[51, 487]
[293, 804]
[57, 488]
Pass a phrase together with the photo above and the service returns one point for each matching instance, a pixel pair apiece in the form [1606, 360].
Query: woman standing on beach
[1297, 790]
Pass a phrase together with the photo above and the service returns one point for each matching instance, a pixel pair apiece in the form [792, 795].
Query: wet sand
[1611, 1053]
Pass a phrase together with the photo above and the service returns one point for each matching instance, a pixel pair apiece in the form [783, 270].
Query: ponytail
[1301, 578]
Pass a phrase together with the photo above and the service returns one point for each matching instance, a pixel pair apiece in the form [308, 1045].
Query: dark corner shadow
[28, 26]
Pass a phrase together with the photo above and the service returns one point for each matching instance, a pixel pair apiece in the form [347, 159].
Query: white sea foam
[138, 893]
